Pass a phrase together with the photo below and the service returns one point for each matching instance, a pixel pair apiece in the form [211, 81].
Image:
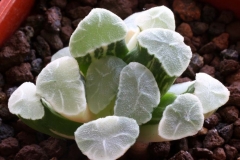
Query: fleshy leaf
[212, 93]
[138, 93]
[107, 138]
[99, 34]
[25, 102]
[53, 124]
[61, 53]
[184, 117]
[102, 82]
[59, 83]
[156, 17]
[181, 88]
[164, 53]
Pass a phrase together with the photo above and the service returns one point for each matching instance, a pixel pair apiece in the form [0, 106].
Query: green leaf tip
[25, 103]
[99, 28]
[138, 93]
[184, 117]
[107, 138]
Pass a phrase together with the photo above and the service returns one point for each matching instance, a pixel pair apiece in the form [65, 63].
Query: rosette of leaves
[112, 86]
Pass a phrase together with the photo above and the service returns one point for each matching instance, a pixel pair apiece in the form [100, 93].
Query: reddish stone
[182, 155]
[9, 146]
[14, 51]
[208, 69]
[19, 74]
[229, 113]
[187, 10]
[213, 140]
[54, 147]
[185, 30]
[31, 152]
[233, 78]
[123, 8]
[236, 131]
[221, 41]
[219, 154]
[79, 12]
[231, 152]
[228, 66]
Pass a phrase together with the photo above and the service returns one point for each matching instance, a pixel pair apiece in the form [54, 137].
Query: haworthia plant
[113, 86]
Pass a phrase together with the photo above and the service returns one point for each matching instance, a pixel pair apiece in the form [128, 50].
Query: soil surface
[213, 35]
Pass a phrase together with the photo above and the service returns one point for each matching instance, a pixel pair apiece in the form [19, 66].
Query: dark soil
[213, 35]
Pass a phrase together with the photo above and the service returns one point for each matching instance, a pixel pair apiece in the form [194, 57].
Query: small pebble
[6, 131]
[53, 40]
[9, 146]
[26, 138]
[216, 28]
[221, 41]
[202, 153]
[187, 10]
[19, 74]
[208, 48]
[231, 152]
[37, 65]
[230, 54]
[79, 12]
[219, 154]
[59, 3]
[122, 8]
[159, 149]
[209, 13]
[229, 114]
[226, 132]
[42, 47]
[208, 69]
[54, 147]
[228, 66]
[53, 19]
[185, 30]
[235, 143]
[182, 155]
[211, 121]
[236, 131]
[31, 152]
[4, 112]
[199, 28]
[212, 140]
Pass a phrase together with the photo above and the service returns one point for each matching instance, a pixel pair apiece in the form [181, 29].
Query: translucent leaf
[211, 92]
[60, 84]
[61, 53]
[156, 17]
[184, 117]
[99, 28]
[107, 138]
[102, 82]
[138, 93]
[181, 88]
[25, 102]
[168, 47]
